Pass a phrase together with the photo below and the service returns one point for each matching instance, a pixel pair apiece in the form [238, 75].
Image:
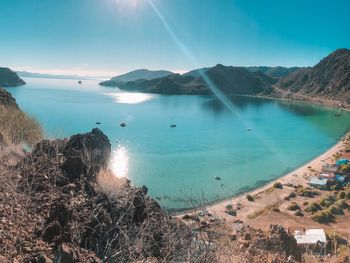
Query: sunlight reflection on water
[131, 98]
[119, 162]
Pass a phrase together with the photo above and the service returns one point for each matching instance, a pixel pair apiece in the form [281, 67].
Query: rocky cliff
[329, 79]
[8, 78]
[6, 99]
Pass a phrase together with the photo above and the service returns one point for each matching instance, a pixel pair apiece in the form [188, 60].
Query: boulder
[84, 152]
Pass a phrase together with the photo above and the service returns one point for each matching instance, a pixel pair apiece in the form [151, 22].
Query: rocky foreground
[60, 203]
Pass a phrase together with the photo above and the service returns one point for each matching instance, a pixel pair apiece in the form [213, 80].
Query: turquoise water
[260, 141]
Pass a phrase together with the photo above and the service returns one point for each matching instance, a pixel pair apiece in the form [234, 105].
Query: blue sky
[107, 37]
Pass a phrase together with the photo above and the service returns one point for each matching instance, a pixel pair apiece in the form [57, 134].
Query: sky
[109, 37]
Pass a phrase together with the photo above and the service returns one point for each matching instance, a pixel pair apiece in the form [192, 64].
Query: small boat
[249, 129]
[337, 114]
[172, 125]
[217, 178]
[123, 124]
[79, 82]
[98, 123]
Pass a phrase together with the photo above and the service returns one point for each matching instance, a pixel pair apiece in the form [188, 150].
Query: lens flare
[119, 162]
[215, 90]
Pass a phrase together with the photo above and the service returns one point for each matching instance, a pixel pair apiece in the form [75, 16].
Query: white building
[310, 236]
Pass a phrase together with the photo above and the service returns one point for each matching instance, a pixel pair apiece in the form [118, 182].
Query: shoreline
[316, 162]
[297, 175]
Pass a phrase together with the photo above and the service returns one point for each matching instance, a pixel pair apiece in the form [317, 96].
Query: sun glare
[127, 5]
[119, 162]
[130, 98]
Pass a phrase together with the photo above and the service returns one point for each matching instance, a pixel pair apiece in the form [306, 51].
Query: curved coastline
[295, 175]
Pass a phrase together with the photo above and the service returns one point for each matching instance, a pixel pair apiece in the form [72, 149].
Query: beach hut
[330, 168]
[311, 239]
[319, 183]
[329, 176]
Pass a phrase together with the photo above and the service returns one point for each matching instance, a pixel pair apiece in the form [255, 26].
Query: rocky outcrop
[6, 99]
[8, 78]
[329, 79]
[71, 212]
[86, 152]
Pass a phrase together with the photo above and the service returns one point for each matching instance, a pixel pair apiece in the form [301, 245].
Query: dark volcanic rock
[6, 99]
[93, 148]
[8, 78]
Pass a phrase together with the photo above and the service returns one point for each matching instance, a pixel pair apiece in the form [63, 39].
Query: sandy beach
[259, 213]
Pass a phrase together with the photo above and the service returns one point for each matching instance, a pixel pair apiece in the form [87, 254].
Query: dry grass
[17, 127]
[264, 210]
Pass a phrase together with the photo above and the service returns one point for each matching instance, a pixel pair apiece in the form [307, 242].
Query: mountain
[329, 79]
[144, 74]
[275, 72]
[231, 80]
[196, 72]
[8, 78]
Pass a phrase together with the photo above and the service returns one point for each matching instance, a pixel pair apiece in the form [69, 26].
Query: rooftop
[318, 181]
[310, 236]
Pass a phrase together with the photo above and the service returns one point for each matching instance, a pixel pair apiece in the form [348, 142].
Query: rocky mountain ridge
[230, 80]
[328, 79]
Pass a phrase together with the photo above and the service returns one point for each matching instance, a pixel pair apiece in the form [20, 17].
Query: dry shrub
[17, 127]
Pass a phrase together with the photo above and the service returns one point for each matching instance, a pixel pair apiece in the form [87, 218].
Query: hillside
[8, 78]
[144, 74]
[329, 80]
[230, 80]
[274, 72]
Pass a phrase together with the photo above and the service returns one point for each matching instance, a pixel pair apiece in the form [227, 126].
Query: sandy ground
[259, 213]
